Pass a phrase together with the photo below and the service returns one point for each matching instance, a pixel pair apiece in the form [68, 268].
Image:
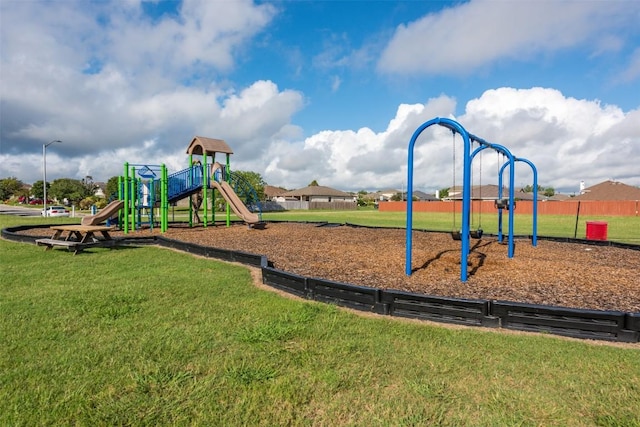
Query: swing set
[465, 233]
[475, 233]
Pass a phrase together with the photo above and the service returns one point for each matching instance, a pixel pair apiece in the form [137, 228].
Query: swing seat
[503, 204]
[476, 234]
[456, 235]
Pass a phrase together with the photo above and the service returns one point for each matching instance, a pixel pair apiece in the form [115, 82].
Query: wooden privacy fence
[334, 206]
[590, 207]
[304, 205]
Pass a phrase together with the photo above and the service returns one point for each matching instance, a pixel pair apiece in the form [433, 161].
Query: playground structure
[466, 233]
[109, 211]
[144, 189]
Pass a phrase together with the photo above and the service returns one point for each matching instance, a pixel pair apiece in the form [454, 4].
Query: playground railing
[246, 192]
[185, 182]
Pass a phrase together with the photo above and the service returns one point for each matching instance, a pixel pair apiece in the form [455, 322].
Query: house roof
[488, 192]
[479, 192]
[421, 195]
[272, 191]
[200, 145]
[610, 190]
[316, 190]
[387, 193]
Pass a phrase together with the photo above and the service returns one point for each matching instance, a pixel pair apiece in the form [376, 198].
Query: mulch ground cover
[552, 273]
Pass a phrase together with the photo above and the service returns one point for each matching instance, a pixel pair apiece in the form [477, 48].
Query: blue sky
[321, 90]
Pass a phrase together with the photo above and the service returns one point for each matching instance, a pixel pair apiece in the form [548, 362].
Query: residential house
[320, 193]
[273, 193]
[100, 189]
[609, 190]
[384, 195]
[484, 192]
[491, 192]
[421, 196]
[317, 197]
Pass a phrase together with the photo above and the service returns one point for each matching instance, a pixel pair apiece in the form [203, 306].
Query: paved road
[18, 211]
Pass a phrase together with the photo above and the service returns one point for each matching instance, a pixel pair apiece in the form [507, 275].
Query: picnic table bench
[78, 237]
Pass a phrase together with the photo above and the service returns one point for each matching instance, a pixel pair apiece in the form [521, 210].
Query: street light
[44, 172]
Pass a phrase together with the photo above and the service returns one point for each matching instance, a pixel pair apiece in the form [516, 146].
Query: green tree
[73, 190]
[364, 198]
[87, 202]
[529, 188]
[112, 187]
[37, 191]
[313, 183]
[444, 192]
[255, 180]
[89, 185]
[549, 191]
[252, 178]
[10, 187]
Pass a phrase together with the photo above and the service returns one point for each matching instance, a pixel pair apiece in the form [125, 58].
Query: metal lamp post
[44, 172]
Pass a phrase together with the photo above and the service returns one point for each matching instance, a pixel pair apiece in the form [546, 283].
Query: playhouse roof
[209, 146]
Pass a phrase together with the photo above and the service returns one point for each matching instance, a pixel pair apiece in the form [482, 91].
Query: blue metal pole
[505, 151]
[164, 197]
[512, 175]
[134, 198]
[466, 193]
[125, 209]
[534, 235]
[466, 206]
[409, 225]
[500, 185]
[534, 170]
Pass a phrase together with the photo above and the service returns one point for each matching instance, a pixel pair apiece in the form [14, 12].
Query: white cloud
[574, 139]
[249, 121]
[632, 72]
[568, 140]
[204, 33]
[336, 81]
[104, 77]
[353, 160]
[130, 100]
[471, 35]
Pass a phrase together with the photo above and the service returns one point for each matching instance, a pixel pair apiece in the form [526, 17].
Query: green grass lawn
[147, 336]
[620, 228]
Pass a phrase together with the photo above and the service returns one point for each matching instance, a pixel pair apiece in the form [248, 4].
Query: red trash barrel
[596, 230]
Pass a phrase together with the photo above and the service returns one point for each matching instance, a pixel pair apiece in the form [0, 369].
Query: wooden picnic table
[78, 237]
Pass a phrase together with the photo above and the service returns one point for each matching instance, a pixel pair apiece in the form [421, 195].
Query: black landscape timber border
[609, 243]
[571, 322]
[440, 309]
[361, 298]
[633, 322]
[287, 282]
[211, 252]
[13, 233]
[564, 321]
